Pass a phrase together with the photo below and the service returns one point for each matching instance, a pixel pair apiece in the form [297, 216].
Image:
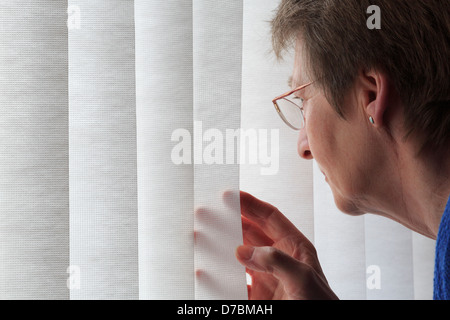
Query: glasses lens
[291, 113]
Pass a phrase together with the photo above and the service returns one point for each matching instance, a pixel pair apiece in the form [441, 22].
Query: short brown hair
[412, 48]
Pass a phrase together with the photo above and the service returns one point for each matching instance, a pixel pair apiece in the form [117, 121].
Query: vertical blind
[122, 124]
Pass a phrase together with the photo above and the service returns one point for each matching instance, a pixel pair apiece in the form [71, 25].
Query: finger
[299, 280]
[273, 223]
[231, 199]
[267, 259]
[264, 287]
[291, 273]
[253, 235]
[263, 284]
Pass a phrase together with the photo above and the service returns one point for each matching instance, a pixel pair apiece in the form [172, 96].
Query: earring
[371, 120]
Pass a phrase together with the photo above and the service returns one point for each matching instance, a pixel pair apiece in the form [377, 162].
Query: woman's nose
[303, 146]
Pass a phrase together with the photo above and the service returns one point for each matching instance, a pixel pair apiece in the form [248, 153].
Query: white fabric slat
[340, 242]
[102, 127]
[217, 44]
[34, 197]
[285, 180]
[164, 97]
[388, 259]
[423, 265]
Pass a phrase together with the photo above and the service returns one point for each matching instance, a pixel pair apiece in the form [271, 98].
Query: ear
[374, 96]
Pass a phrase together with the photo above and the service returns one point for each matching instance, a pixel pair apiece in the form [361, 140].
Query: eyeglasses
[291, 112]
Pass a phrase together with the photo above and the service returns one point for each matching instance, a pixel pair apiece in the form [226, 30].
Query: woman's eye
[298, 100]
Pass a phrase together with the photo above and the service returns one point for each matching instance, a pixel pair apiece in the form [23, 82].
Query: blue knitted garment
[442, 262]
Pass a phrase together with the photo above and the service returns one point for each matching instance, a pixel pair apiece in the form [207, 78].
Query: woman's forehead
[299, 75]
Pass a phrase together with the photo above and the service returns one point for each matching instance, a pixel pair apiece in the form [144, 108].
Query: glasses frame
[287, 94]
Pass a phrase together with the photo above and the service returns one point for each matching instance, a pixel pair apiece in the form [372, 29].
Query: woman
[376, 118]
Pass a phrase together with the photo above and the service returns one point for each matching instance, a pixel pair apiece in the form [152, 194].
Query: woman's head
[396, 76]
[412, 48]
[352, 153]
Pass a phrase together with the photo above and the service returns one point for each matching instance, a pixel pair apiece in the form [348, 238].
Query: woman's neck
[425, 188]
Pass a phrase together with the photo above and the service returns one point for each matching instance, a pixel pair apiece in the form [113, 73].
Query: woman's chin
[347, 206]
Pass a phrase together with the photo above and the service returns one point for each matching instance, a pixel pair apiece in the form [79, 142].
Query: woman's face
[344, 149]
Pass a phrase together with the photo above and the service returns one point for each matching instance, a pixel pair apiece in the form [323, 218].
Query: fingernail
[199, 272]
[202, 211]
[232, 199]
[230, 194]
[245, 252]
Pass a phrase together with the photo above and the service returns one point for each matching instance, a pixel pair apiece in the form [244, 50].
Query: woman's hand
[282, 262]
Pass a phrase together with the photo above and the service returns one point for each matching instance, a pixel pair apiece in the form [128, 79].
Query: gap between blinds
[120, 131]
